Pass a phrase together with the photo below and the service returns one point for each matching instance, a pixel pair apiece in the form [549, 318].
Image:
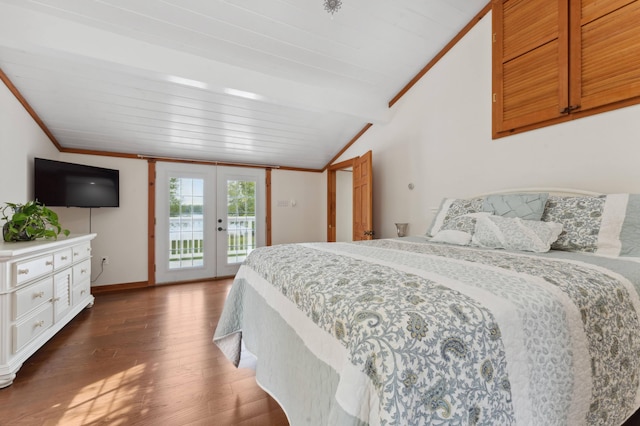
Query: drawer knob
[63, 257]
[38, 324]
[56, 299]
[83, 271]
[38, 294]
[49, 263]
[75, 253]
[23, 271]
[82, 292]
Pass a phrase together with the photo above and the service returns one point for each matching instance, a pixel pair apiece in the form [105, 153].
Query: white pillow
[513, 233]
[451, 236]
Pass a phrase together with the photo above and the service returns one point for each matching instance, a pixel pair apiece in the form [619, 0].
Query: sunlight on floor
[111, 400]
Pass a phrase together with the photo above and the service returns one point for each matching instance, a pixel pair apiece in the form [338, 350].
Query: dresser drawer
[33, 326]
[28, 298]
[82, 272]
[62, 258]
[27, 270]
[81, 292]
[81, 251]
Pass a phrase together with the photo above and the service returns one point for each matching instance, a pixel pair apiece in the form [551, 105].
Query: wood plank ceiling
[275, 82]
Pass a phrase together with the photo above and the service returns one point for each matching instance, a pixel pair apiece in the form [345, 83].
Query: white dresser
[43, 285]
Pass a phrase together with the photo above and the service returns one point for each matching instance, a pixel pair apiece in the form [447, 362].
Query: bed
[518, 308]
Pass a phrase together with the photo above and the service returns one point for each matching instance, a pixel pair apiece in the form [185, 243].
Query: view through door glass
[186, 222]
[240, 216]
[241, 219]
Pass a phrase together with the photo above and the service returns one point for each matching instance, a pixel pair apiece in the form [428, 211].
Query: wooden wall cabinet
[556, 60]
[43, 286]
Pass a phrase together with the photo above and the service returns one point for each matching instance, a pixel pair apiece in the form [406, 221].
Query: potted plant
[30, 221]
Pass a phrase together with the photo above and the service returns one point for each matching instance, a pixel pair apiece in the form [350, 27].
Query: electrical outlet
[105, 260]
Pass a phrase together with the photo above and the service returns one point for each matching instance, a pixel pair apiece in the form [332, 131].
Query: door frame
[331, 194]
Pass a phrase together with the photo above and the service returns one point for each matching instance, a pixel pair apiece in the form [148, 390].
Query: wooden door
[363, 198]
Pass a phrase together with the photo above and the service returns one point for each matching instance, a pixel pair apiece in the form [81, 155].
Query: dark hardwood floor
[139, 357]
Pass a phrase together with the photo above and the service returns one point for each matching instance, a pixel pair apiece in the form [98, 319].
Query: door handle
[220, 228]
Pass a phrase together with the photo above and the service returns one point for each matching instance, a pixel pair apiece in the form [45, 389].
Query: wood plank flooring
[139, 357]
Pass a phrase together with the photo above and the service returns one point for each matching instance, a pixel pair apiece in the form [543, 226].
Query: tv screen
[75, 185]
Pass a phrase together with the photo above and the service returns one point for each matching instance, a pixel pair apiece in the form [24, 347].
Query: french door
[241, 219]
[208, 219]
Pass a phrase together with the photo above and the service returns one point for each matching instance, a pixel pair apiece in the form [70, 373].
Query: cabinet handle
[48, 263]
[63, 257]
[23, 271]
[38, 294]
[56, 299]
[82, 292]
[83, 271]
[88, 249]
[75, 253]
[38, 324]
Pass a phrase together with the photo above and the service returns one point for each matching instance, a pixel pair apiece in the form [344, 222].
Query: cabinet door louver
[530, 60]
[607, 53]
[556, 60]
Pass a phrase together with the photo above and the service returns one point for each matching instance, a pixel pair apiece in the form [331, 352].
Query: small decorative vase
[401, 229]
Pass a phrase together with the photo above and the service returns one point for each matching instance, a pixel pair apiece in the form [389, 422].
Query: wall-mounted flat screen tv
[75, 185]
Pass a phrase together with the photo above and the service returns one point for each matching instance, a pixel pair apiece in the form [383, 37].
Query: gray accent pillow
[525, 206]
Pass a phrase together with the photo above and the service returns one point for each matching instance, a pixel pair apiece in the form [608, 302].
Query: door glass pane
[241, 219]
[186, 209]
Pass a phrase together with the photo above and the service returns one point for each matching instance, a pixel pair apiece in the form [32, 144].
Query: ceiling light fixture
[332, 6]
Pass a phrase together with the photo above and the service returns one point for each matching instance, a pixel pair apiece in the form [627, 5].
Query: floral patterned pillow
[581, 219]
[465, 223]
[452, 208]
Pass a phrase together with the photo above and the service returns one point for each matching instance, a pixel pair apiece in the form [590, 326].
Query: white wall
[122, 232]
[440, 140]
[306, 220]
[20, 141]
[344, 205]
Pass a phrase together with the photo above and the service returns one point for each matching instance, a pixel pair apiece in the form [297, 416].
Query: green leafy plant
[30, 221]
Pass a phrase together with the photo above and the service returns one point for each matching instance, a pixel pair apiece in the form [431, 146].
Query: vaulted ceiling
[270, 82]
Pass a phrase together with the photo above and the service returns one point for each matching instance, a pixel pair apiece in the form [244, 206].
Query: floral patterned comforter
[421, 333]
